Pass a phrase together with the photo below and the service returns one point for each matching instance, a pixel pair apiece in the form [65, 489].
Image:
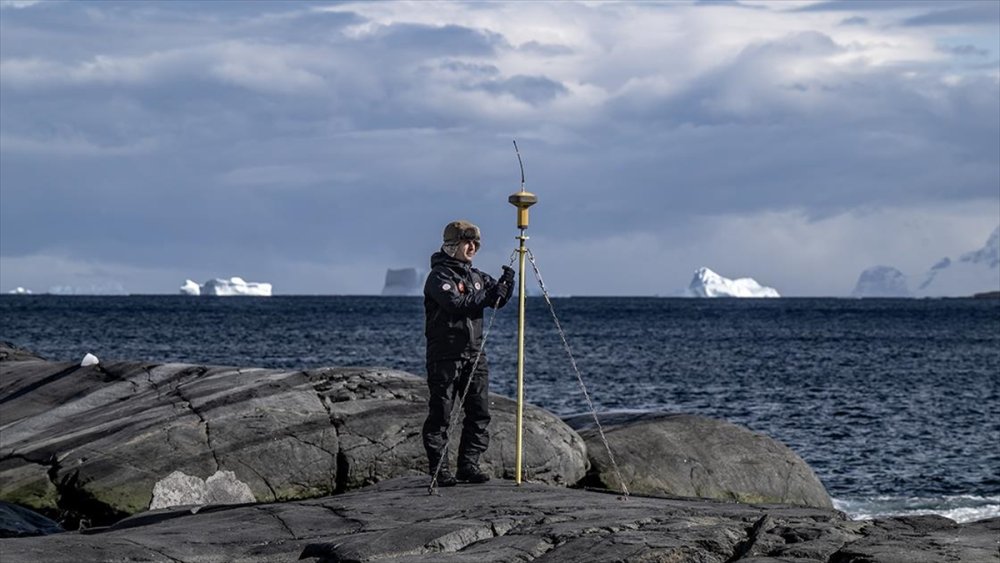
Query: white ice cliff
[707, 283]
[191, 288]
[222, 287]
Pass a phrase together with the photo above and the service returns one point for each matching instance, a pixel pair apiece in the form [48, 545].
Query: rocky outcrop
[101, 442]
[11, 353]
[396, 520]
[90, 444]
[17, 521]
[695, 456]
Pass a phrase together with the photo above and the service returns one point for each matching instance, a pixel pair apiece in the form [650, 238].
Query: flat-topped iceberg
[405, 281]
[222, 287]
[707, 283]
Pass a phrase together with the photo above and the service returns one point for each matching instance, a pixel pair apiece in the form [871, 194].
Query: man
[455, 296]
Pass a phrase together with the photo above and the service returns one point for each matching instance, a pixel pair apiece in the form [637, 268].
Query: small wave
[960, 508]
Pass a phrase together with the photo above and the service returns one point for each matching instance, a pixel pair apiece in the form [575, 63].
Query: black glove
[505, 287]
[508, 276]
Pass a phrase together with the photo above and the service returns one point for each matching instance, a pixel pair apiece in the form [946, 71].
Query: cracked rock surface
[87, 445]
[397, 520]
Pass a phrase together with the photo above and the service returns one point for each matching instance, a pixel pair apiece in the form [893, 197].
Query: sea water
[894, 403]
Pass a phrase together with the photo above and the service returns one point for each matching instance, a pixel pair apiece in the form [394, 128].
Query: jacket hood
[440, 258]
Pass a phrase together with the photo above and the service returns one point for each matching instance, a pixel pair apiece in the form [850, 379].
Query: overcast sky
[314, 145]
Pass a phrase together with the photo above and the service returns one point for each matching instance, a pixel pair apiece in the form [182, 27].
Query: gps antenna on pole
[522, 200]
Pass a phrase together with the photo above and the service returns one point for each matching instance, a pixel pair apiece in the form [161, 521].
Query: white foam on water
[960, 508]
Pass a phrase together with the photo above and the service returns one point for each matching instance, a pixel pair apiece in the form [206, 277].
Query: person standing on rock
[455, 296]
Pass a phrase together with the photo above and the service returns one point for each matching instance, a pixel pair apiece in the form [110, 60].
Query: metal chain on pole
[579, 378]
[457, 405]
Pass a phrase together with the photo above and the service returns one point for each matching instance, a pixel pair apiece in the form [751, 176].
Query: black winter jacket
[455, 295]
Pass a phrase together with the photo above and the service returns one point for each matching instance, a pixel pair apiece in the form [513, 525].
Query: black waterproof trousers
[446, 380]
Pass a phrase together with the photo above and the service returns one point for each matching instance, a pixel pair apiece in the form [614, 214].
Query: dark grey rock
[12, 353]
[694, 456]
[923, 539]
[396, 520]
[17, 521]
[94, 441]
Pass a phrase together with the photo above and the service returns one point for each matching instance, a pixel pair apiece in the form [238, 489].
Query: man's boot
[444, 476]
[471, 474]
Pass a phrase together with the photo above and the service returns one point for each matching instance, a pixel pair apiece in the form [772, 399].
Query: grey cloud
[534, 90]
[963, 50]
[980, 13]
[17, 4]
[475, 69]
[75, 31]
[747, 82]
[728, 3]
[855, 20]
[420, 40]
[951, 12]
[802, 43]
[868, 139]
[880, 5]
[545, 49]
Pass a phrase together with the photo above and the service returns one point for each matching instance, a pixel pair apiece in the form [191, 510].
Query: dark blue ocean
[894, 403]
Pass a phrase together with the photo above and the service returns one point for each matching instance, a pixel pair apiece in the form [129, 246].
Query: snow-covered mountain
[232, 286]
[707, 283]
[973, 272]
[881, 281]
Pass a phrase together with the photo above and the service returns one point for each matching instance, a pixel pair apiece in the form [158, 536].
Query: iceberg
[405, 281]
[222, 287]
[190, 288]
[707, 283]
[881, 281]
[973, 272]
[20, 291]
[97, 288]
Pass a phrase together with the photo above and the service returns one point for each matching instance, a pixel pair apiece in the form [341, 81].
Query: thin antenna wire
[519, 163]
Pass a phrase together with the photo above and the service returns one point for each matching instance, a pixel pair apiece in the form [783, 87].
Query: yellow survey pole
[522, 200]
